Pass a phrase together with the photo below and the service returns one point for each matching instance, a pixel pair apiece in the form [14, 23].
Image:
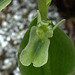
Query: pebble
[32, 15]
[7, 64]
[16, 71]
[4, 44]
[17, 17]
[4, 24]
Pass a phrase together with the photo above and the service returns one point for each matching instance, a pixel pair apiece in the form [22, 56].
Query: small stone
[16, 71]
[17, 17]
[54, 22]
[21, 26]
[4, 24]
[4, 44]
[5, 29]
[31, 15]
[7, 64]
[2, 32]
[8, 38]
[6, 61]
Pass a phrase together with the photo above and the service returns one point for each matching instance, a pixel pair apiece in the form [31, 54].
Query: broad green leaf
[61, 59]
[62, 54]
[4, 3]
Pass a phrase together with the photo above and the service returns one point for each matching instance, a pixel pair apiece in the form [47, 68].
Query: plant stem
[58, 24]
[43, 9]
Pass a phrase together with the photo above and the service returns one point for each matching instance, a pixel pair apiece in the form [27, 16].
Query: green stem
[58, 24]
[43, 9]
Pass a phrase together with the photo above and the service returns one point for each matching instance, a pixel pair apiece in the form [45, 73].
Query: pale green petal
[41, 57]
[27, 54]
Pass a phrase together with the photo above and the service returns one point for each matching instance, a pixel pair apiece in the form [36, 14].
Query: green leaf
[42, 9]
[4, 3]
[61, 59]
[62, 54]
[48, 2]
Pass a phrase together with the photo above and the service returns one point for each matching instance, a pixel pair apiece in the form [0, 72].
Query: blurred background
[15, 20]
